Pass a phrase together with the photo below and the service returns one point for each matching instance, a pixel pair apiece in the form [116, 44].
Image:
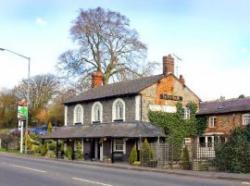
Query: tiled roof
[116, 89]
[119, 129]
[226, 106]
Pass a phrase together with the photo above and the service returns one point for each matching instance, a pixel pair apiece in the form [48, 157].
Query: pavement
[29, 170]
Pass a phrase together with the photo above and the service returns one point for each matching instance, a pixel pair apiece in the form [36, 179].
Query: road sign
[22, 112]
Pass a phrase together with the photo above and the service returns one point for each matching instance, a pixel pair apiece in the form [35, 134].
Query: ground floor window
[119, 145]
[211, 141]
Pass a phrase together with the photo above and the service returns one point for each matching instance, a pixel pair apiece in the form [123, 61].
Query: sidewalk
[200, 174]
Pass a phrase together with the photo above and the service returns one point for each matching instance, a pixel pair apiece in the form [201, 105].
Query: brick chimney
[168, 65]
[182, 80]
[97, 79]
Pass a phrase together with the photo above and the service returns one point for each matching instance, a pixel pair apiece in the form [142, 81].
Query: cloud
[40, 21]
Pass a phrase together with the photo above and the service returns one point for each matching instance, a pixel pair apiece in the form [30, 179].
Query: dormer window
[97, 112]
[118, 110]
[78, 114]
[245, 119]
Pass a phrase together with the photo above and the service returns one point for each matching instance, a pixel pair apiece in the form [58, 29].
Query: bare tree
[42, 89]
[105, 43]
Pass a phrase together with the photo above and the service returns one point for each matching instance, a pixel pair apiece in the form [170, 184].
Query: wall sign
[171, 97]
[163, 108]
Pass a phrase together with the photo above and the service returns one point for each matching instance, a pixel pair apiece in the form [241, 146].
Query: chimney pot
[168, 65]
[97, 79]
[182, 80]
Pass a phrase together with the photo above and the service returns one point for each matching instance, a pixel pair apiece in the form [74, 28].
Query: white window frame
[211, 121]
[246, 119]
[187, 113]
[114, 109]
[124, 146]
[93, 112]
[81, 115]
[137, 107]
[65, 115]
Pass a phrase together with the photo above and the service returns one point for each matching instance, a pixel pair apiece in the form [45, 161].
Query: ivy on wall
[175, 126]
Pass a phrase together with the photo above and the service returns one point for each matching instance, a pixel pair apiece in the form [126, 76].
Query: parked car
[42, 130]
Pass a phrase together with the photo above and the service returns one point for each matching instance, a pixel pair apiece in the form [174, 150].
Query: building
[223, 116]
[110, 119]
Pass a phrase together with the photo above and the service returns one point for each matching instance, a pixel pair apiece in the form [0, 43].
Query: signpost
[22, 115]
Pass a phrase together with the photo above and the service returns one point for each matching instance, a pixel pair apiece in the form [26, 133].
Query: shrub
[43, 149]
[234, 155]
[69, 152]
[146, 153]
[78, 153]
[52, 145]
[133, 155]
[185, 162]
[50, 154]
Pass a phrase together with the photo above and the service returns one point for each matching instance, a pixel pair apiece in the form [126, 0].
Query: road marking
[91, 182]
[245, 183]
[28, 168]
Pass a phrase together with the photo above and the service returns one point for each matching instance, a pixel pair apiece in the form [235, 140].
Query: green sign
[22, 112]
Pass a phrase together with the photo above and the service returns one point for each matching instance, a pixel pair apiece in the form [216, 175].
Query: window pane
[97, 113]
[209, 141]
[119, 145]
[246, 119]
[202, 142]
[119, 110]
[78, 114]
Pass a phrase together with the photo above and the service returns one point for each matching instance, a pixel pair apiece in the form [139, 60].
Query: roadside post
[22, 116]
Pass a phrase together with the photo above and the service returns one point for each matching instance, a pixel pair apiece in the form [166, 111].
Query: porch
[111, 142]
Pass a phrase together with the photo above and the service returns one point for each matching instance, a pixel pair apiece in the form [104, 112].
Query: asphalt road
[20, 171]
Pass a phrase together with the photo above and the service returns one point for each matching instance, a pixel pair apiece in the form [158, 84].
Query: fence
[169, 155]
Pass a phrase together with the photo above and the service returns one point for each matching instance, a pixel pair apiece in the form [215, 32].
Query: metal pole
[28, 103]
[21, 135]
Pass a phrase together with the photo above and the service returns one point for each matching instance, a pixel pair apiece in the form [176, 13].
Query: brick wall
[225, 123]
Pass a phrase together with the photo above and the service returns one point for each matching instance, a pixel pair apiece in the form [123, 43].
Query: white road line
[89, 181]
[27, 168]
[245, 183]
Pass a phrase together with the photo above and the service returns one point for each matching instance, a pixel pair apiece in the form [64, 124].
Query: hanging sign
[22, 112]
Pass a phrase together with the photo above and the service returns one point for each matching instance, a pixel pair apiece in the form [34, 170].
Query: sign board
[171, 97]
[22, 112]
[163, 108]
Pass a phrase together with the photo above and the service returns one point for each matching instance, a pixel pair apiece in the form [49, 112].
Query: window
[119, 145]
[97, 112]
[78, 114]
[209, 141]
[245, 119]
[202, 142]
[186, 113]
[212, 122]
[118, 110]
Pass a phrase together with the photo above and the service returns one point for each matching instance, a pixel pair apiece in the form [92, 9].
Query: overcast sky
[211, 37]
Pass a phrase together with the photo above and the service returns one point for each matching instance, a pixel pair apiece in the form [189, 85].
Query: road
[21, 171]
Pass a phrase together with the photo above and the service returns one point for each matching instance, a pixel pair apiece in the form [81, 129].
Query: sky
[212, 38]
